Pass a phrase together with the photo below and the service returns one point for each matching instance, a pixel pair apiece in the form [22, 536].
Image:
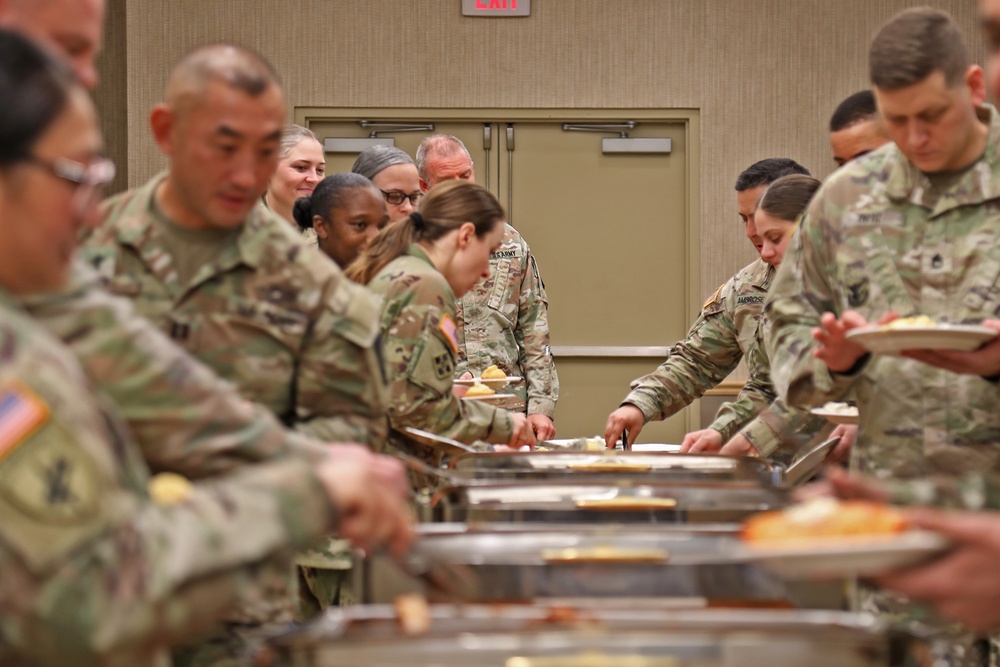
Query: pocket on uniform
[504, 297]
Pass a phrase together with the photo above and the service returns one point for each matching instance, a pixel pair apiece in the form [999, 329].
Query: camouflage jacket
[778, 432]
[975, 491]
[183, 416]
[725, 331]
[504, 320]
[419, 347]
[93, 572]
[879, 237]
[272, 315]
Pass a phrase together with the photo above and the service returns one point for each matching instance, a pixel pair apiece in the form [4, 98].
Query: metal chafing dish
[621, 501]
[544, 636]
[695, 566]
[664, 467]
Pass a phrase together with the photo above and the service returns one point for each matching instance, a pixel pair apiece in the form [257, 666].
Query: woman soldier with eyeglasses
[93, 569]
[395, 174]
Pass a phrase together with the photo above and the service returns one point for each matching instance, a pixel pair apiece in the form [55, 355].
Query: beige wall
[766, 74]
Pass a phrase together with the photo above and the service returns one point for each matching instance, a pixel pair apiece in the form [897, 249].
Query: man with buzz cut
[856, 128]
[233, 284]
[907, 230]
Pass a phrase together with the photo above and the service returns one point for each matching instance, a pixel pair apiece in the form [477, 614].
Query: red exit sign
[496, 7]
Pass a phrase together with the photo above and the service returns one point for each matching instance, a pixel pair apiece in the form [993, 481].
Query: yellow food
[479, 390]
[918, 321]
[168, 488]
[413, 613]
[604, 554]
[493, 373]
[625, 503]
[824, 518]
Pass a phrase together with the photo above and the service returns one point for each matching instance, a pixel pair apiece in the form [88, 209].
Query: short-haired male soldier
[231, 282]
[909, 229]
[504, 319]
[856, 128]
[725, 331]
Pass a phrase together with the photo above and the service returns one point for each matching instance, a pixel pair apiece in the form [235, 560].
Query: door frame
[689, 118]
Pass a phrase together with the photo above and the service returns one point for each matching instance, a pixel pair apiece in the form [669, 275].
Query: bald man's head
[235, 66]
[71, 29]
[221, 127]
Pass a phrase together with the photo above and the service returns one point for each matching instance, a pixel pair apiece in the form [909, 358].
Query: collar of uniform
[135, 228]
[979, 184]
[761, 274]
[416, 251]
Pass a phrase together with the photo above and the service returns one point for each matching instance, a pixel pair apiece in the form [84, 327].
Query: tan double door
[615, 236]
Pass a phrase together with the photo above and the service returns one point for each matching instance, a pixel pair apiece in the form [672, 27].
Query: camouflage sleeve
[340, 385]
[801, 292]
[532, 335]
[779, 432]
[978, 491]
[699, 362]
[183, 416]
[91, 568]
[754, 397]
[420, 362]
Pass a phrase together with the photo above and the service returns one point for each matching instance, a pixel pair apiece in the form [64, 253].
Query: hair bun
[302, 212]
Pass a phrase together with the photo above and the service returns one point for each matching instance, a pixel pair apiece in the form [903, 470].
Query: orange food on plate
[824, 518]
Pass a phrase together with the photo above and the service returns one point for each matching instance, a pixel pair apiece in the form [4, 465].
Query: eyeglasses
[396, 197]
[90, 178]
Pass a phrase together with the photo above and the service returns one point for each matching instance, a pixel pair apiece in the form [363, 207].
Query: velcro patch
[714, 297]
[22, 411]
[450, 331]
[443, 366]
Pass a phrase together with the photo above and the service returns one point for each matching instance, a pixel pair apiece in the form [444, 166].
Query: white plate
[489, 382]
[490, 398]
[847, 556]
[882, 340]
[851, 417]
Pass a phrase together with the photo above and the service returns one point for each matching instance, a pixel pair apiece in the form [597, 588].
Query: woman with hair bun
[345, 211]
[421, 265]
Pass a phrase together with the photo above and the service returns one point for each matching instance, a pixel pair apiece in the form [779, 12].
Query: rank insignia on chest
[21, 412]
[450, 331]
[443, 367]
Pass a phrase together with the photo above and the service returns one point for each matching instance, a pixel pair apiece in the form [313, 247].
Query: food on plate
[917, 321]
[169, 488]
[413, 613]
[824, 518]
[493, 373]
[838, 408]
[479, 390]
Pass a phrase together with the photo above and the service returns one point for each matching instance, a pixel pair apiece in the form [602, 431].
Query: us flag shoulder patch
[22, 412]
[450, 331]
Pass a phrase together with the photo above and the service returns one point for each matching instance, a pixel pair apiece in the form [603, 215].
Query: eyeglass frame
[89, 178]
[402, 196]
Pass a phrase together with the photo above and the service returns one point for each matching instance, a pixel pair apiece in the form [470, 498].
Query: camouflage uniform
[93, 571]
[976, 491]
[504, 320]
[419, 347]
[274, 317]
[879, 237]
